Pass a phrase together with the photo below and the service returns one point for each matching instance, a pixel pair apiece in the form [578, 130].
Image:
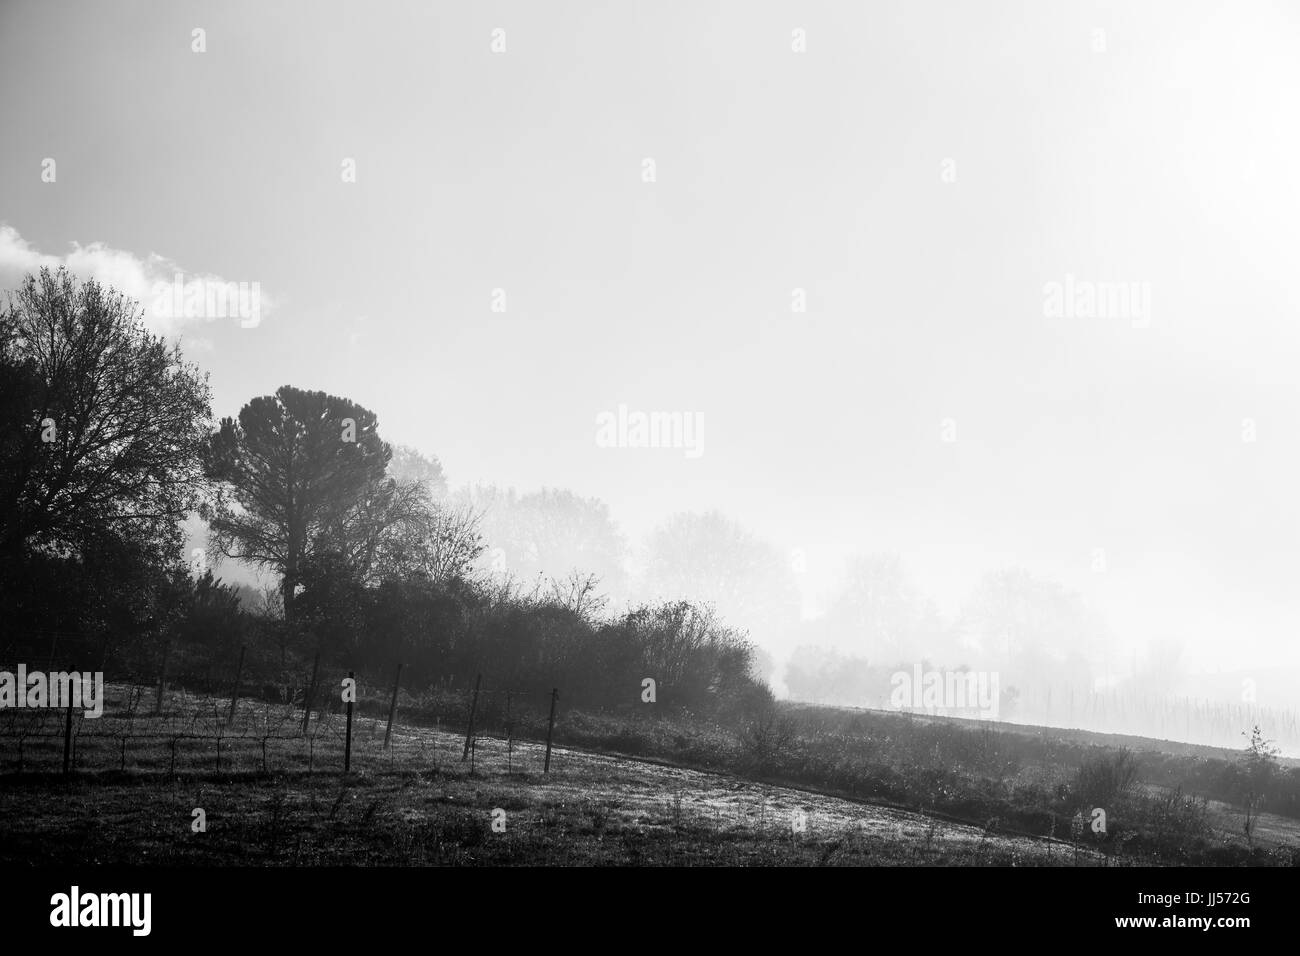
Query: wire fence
[169, 709]
[166, 710]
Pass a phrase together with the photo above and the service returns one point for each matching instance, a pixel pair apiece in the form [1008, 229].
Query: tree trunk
[287, 588]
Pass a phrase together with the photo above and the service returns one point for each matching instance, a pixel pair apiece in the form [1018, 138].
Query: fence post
[311, 692]
[469, 734]
[392, 707]
[510, 737]
[347, 747]
[555, 693]
[239, 672]
[67, 740]
[162, 677]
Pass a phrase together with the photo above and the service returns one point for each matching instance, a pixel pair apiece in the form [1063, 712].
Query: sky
[506, 266]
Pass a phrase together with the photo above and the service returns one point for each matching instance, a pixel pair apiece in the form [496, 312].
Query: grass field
[271, 797]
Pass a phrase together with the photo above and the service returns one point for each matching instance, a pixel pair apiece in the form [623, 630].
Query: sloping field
[273, 799]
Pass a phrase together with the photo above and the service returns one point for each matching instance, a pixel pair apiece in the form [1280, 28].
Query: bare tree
[435, 541]
[579, 593]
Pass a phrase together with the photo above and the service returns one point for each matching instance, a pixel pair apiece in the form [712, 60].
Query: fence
[254, 718]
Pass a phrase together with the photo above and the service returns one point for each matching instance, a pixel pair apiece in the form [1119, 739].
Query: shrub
[1104, 779]
[767, 737]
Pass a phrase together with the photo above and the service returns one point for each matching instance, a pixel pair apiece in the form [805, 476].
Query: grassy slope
[1070, 735]
[419, 804]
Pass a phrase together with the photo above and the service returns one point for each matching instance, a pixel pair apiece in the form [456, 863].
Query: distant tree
[1033, 625]
[824, 675]
[433, 541]
[876, 611]
[549, 534]
[711, 559]
[298, 472]
[410, 464]
[762, 667]
[101, 423]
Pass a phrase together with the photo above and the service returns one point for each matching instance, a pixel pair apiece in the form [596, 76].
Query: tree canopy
[300, 472]
[101, 423]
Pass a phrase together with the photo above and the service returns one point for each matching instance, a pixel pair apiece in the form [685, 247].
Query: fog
[911, 340]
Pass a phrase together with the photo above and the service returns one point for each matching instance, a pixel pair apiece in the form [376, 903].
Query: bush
[1104, 779]
[767, 737]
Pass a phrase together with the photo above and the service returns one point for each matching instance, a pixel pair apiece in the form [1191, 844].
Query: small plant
[1260, 767]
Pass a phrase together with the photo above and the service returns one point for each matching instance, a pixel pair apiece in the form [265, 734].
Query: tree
[101, 423]
[362, 537]
[712, 559]
[825, 676]
[428, 540]
[578, 593]
[299, 472]
[1031, 623]
[549, 534]
[410, 464]
[1259, 768]
[877, 608]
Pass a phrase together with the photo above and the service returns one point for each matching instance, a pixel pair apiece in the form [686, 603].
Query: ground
[274, 798]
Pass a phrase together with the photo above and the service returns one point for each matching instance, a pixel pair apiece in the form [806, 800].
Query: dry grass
[418, 804]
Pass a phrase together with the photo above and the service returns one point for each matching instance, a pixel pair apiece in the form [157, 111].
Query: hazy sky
[1159, 152]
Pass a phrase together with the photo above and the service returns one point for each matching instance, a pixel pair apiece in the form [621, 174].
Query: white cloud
[172, 299]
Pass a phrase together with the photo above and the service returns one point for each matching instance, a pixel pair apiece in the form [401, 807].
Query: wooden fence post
[162, 677]
[311, 692]
[392, 707]
[67, 740]
[347, 748]
[239, 672]
[510, 737]
[550, 726]
[469, 734]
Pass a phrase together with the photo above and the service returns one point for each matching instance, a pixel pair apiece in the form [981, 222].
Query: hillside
[270, 796]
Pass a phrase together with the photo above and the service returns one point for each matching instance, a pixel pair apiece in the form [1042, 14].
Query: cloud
[172, 299]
